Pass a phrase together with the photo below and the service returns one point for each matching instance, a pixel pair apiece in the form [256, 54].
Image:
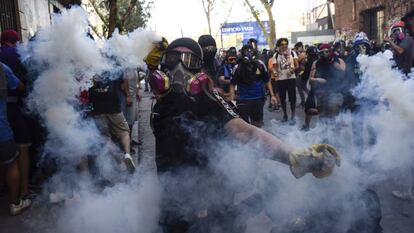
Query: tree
[268, 5]
[208, 6]
[126, 15]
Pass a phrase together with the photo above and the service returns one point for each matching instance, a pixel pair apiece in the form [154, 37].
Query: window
[8, 13]
[372, 23]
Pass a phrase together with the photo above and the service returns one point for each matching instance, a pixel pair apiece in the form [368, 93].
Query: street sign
[247, 29]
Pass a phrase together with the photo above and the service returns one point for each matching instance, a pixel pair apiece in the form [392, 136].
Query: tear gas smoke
[67, 60]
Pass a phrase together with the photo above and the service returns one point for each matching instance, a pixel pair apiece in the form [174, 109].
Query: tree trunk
[113, 13]
[271, 36]
[209, 23]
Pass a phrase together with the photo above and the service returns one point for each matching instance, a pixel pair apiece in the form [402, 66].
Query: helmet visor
[188, 59]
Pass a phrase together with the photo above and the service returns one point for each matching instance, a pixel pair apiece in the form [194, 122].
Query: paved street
[398, 216]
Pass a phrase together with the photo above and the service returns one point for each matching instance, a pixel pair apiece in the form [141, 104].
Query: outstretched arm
[247, 133]
[318, 159]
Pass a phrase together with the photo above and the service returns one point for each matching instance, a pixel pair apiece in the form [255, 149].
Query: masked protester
[251, 78]
[284, 68]
[189, 113]
[327, 84]
[402, 45]
[339, 48]
[211, 64]
[225, 72]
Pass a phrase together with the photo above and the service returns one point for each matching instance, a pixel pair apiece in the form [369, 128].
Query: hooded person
[250, 76]
[211, 64]
[327, 80]
[189, 115]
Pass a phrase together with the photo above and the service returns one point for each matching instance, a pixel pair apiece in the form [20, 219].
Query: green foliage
[131, 14]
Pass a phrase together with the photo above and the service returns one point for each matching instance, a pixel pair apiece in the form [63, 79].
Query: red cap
[324, 46]
[9, 36]
[398, 24]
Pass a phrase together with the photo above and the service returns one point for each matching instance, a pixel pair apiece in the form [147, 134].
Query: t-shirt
[226, 70]
[285, 64]
[255, 89]
[10, 57]
[104, 97]
[405, 60]
[182, 126]
[12, 83]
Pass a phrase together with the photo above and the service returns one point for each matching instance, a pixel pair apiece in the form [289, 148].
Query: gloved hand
[154, 57]
[318, 159]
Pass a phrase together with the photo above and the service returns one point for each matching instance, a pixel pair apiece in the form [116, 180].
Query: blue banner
[248, 29]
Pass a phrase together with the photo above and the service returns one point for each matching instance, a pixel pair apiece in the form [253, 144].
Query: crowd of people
[200, 92]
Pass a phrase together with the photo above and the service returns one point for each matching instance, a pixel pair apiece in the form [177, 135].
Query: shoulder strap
[3, 82]
[224, 104]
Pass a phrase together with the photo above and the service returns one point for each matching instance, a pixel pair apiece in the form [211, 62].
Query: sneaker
[405, 196]
[19, 208]
[305, 128]
[285, 119]
[277, 107]
[129, 162]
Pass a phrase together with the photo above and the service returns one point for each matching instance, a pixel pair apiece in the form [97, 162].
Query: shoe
[277, 107]
[129, 162]
[405, 196]
[305, 128]
[19, 208]
[285, 119]
[292, 121]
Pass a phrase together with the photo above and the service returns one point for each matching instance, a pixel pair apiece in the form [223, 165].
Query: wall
[348, 12]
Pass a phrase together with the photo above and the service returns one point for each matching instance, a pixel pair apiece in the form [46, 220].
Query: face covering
[179, 78]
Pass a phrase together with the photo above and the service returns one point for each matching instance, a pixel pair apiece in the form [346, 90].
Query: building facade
[29, 16]
[370, 16]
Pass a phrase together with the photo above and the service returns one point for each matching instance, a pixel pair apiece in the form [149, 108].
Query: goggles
[188, 59]
[209, 49]
[324, 52]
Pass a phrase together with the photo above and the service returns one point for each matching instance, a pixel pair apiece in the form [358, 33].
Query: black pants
[251, 110]
[287, 87]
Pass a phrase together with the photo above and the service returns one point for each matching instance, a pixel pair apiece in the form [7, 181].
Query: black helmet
[192, 60]
[188, 43]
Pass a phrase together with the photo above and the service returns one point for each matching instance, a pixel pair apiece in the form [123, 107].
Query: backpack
[277, 54]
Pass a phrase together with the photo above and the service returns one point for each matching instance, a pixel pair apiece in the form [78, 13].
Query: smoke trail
[66, 59]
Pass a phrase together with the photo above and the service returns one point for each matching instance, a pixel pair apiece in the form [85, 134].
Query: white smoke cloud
[67, 60]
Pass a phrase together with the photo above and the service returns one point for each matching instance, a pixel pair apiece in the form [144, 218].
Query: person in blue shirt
[251, 77]
[8, 148]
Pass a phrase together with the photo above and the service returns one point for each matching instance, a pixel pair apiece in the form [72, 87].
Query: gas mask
[179, 78]
[397, 34]
[361, 49]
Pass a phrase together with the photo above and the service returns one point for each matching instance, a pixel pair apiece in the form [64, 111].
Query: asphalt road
[398, 216]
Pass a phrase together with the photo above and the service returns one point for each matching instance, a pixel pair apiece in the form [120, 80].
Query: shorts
[112, 125]
[251, 110]
[8, 151]
[19, 123]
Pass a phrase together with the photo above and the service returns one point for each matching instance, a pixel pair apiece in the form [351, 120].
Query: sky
[173, 18]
